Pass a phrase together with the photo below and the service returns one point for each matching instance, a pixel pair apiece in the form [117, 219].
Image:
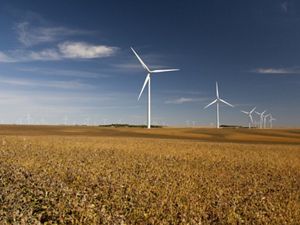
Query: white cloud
[183, 100]
[277, 71]
[26, 56]
[29, 35]
[84, 50]
[61, 72]
[73, 84]
[66, 50]
[44, 55]
[5, 58]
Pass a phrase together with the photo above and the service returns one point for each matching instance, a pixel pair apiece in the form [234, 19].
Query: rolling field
[91, 175]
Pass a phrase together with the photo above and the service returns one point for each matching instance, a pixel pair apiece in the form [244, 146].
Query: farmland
[92, 175]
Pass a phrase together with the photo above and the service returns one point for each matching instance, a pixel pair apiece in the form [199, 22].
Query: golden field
[92, 175]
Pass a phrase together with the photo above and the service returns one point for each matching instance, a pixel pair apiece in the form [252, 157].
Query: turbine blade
[252, 110]
[144, 85]
[213, 102]
[217, 90]
[225, 102]
[251, 118]
[164, 70]
[141, 61]
[244, 112]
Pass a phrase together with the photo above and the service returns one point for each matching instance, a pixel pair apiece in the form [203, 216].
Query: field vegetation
[82, 175]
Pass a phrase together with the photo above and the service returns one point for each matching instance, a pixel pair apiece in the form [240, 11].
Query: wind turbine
[249, 114]
[261, 115]
[265, 120]
[271, 121]
[148, 80]
[217, 101]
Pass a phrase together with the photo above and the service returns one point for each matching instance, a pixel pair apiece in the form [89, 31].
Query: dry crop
[123, 180]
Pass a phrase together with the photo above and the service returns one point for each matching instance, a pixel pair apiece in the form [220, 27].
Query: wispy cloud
[5, 58]
[65, 50]
[284, 7]
[183, 100]
[182, 92]
[30, 35]
[73, 84]
[58, 98]
[277, 70]
[129, 66]
[43, 55]
[61, 72]
[34, 33]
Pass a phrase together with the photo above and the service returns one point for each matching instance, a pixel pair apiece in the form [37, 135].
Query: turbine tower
[249, 114]
[217, 101]
[261, 116]
[148, 81]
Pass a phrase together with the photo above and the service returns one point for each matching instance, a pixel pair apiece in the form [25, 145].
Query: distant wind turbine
[261, 115]
[148, 81]
[217, 101]
[249, 114]
[271, 121]
[265, 120]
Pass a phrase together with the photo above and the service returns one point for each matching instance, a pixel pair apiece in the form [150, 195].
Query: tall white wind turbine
[261, 116]
[148, 81]
[249, 114]
[217, 101]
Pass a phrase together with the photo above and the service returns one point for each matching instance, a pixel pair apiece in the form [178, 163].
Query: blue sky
[70, 61]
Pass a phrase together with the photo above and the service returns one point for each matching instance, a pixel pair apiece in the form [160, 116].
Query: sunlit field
[91, 175]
